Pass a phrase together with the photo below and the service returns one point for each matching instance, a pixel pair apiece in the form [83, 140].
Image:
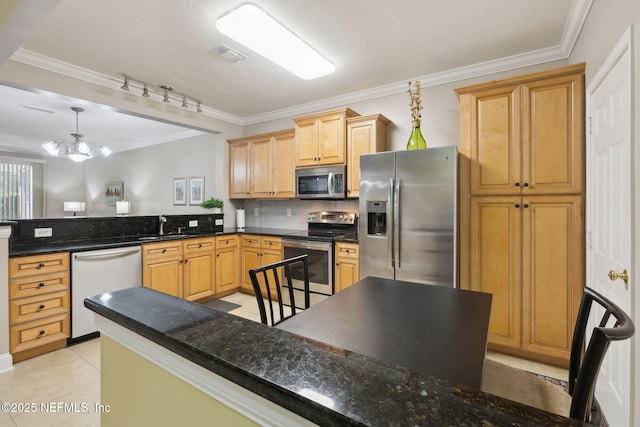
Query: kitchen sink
[149, 238]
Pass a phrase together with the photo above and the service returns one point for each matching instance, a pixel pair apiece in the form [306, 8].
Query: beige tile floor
[71, 376]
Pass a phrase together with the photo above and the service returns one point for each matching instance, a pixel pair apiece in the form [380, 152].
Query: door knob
[615, 276]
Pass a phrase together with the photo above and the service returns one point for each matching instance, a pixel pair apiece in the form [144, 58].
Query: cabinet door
[305, 142]
[199, 276]
[495, 262]
[283, 166]
[164, 275]
[268, 257]
[360, 137]
[227, 262]
[552, 272]
[250, 259]
[552, 135]
[239, 170]
[331, 139]
[492, 126]
[261, 182]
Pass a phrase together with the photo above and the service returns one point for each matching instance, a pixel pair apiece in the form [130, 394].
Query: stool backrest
[271, 275]
[583, 371]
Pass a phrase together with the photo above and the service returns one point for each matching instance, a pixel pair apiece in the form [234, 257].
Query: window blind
[16, 189]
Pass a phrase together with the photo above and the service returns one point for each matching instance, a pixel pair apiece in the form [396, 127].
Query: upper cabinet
[320, 139]
[526, 137]
[365, 135]
[262, 166]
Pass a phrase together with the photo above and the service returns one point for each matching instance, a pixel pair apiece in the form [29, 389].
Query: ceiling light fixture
[77, 150]
[252, 27]
[166, 92]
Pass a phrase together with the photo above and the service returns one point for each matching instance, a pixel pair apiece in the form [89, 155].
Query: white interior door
[610, 212]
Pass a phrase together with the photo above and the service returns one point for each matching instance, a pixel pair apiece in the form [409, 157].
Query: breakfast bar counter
[248, 373]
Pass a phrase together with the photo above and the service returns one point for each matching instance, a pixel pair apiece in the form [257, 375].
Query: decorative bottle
[416, 140]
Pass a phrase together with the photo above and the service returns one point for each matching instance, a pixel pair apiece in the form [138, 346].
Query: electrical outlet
[255, 211]
[288, 211]
[193, 223]
[43, 232]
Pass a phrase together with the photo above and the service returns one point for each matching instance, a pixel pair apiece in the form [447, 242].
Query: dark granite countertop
[277, 365]
[122, 241]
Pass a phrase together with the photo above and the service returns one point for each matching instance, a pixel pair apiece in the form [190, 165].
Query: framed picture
[113, 192]
[179, 191]
[196, 190]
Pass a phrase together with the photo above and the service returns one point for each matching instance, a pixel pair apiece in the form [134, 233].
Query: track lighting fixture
[167, 92]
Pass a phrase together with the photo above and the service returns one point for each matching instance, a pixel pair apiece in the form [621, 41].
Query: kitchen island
[164, 357]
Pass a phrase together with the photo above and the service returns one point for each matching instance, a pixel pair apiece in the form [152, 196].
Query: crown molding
[573, 26]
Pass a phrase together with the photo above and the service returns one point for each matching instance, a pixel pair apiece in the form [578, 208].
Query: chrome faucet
[162, 220]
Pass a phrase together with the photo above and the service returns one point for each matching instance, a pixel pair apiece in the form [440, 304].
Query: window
[20, 181]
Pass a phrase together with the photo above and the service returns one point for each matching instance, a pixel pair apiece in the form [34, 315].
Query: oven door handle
[323, 246]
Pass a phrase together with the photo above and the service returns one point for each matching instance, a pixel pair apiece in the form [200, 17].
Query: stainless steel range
[318, 243]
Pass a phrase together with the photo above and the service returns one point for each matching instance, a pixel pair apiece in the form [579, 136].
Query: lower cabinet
[192, 269]
[347, 269]
[258, 251]
[39, 309]
[227, 263]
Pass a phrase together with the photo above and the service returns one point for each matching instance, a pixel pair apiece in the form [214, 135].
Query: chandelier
[76, 150]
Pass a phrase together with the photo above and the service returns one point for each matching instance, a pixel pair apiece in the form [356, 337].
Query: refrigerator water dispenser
[376, 218]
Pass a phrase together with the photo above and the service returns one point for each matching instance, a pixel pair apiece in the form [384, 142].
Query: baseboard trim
[6, 362]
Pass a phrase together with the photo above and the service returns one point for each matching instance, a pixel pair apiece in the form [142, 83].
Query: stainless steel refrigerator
[408, 207]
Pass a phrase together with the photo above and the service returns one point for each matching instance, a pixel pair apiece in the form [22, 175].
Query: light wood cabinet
[347, 269]
[320, 139]
[162, 267]
[256, 252]
[365, 135]
[239, 170]
[39, 308]
[227, 263]
[522, 207]
[198, 269]
[262, 166]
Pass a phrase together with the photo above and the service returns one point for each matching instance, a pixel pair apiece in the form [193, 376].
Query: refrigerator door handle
[396, 222]
[390, 216]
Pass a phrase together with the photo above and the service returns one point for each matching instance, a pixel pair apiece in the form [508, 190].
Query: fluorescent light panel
[259, 32]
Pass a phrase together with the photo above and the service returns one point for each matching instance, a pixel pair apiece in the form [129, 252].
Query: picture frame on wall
[196, 190]
[113, 192]
[179, 191]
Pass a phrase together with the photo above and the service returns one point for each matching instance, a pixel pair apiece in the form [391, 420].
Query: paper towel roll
[240, 218]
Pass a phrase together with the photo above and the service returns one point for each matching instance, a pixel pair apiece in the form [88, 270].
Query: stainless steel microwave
[328, 182]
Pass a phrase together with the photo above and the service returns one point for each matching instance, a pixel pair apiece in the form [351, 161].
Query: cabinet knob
[41, 306]
[526, 184]
[41, 284]
[526, 205]
[517, 184]
[164, 250]
[41, 265]
[41, 332]
[517, 205]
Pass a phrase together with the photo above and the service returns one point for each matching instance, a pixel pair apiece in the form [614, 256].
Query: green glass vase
[416, 140]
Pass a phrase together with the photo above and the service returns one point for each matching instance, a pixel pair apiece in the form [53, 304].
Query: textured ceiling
[373, 43]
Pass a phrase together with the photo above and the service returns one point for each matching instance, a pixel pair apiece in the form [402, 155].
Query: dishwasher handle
[115, 253]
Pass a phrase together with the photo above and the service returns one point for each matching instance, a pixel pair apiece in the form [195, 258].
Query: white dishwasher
[97, 272]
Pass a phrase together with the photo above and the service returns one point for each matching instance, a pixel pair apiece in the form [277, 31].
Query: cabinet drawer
[37, 307]
[156, 250]
[226, 241]
[26, 336]
[347, 250]
[38, 264]
[250, 241]
[38, 285]
[274, 243]
[204, 244]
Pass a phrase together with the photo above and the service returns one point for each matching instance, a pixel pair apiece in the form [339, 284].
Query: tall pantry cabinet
[522, 184]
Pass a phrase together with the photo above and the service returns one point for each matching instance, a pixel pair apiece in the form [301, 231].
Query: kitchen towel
[240, 218]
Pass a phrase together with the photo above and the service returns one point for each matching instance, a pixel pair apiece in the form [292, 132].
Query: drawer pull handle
[42, 332]
[41, 284]
[41, 306]
[41, 265]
